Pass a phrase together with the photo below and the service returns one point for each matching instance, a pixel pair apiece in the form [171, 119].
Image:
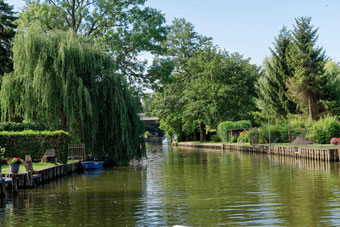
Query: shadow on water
[186, 187]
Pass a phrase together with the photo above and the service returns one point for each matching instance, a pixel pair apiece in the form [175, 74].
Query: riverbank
[13, 182]
[317, 152]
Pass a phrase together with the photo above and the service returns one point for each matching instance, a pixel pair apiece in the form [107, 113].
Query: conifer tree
[7, 32]
[307, 61]
[272, 87]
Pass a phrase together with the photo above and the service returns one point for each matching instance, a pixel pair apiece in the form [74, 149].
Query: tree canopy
[124, 29]
[65, 83]
[7, 32]
[274, 100]
[209, 85]
[307, 61]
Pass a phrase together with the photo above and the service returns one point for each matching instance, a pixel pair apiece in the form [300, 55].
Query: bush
[324, 129]
[147, 135]
[279, 130]
[19, 144]
[215, 138]
[224, 127]
[244, 137]
[16, 127]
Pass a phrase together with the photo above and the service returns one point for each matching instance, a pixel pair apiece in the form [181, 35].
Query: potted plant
[335, 141]
[14, 164]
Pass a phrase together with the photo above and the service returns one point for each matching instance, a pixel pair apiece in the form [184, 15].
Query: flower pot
[14, 168]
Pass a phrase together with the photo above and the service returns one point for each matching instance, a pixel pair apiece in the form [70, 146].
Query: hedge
[224, 127]
[16, 127]
[34, 143]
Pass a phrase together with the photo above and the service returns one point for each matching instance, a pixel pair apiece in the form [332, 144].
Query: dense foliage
[72, 86]
[16, 127]
[35, 144]
[274, 100]
[298, 79]
[123, 28]
[7, 32]
[323, 130]
[224, 128]
[208, 85]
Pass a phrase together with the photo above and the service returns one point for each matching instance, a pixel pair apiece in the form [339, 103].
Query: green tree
[7, 32]
[274, 100]
[209, 85]
[307, 61]
[67, 84]
[331, 88]
[124, 28]
[222, 87]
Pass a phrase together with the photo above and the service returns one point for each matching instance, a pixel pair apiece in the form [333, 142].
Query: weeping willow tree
[68, 84]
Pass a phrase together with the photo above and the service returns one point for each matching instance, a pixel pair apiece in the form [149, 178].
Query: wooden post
[15, 187]
[2, 185]
[29, 170]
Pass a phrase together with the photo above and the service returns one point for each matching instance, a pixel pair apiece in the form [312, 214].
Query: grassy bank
[36, 166]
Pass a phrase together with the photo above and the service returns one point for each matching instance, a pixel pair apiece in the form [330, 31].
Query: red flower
[18, 159]
[9, 158]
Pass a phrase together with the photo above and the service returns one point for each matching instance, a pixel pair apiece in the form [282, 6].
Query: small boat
[92, 165]
[165, 141]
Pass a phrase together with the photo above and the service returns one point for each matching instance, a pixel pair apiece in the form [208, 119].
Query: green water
[187, 187]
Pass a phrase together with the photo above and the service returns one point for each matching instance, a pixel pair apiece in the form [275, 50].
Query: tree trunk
[310, 113]
[202, 133]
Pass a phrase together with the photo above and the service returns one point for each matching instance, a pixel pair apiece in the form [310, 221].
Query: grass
[36, 166]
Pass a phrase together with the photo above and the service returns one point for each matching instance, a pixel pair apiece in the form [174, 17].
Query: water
[187, 187]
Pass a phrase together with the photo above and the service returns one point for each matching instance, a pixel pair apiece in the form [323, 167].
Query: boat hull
[92, 165]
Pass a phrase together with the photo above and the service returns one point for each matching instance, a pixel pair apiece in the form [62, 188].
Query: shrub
[16, 127]
[147, 135]
[224, 127]
[324, 129]
[19, 144]
[279, 130]
[244, 137]
[215, 138]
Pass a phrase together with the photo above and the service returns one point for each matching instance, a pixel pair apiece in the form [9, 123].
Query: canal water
[178, 186]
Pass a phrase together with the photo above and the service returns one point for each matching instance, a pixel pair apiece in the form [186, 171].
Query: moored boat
[92, 165]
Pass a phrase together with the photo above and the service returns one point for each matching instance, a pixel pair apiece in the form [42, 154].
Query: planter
[14, 168]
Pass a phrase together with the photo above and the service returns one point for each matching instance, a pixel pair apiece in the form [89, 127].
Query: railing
[76, 151]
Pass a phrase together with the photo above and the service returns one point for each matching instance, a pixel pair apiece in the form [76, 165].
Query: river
[189, 187]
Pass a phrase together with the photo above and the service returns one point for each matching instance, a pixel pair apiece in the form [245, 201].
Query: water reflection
[187, 187]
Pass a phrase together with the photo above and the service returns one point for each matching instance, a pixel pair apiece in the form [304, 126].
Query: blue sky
[250, 26]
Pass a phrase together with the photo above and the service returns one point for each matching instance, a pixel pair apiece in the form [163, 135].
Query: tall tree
[209, 85]
[331, 88]
[124, 28]
[307, 61]
[182, 44]
[7, 32]
[63, 82]
[273, 92]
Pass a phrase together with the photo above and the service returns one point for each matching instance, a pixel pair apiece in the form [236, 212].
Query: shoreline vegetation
[330, 146]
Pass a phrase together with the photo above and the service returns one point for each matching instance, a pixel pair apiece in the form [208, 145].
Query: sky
[250, 26]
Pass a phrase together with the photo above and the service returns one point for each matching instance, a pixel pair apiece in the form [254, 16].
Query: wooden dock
[325, 154]
[13, 182]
